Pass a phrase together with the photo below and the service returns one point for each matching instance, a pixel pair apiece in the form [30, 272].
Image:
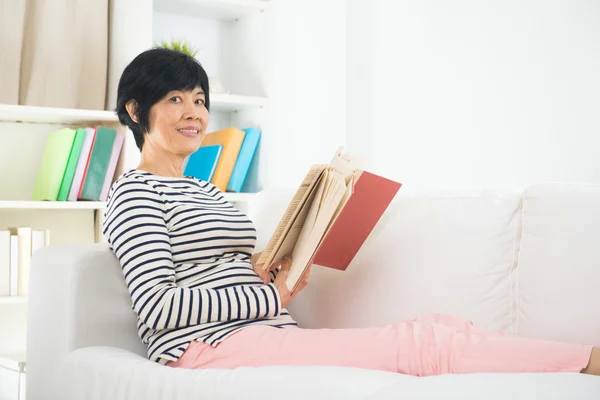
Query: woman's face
[178, 122]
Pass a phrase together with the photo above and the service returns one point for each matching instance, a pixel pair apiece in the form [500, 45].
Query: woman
[201, 300]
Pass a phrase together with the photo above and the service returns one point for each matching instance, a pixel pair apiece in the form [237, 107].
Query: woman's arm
[136, 229]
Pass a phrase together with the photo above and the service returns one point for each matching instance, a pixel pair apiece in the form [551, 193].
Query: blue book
[203, 162]
[245, 156]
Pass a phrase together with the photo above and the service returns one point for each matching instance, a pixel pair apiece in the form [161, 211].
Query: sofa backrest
[429, 253]
[558, 276]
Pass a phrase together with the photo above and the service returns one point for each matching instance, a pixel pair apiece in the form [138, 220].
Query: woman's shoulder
[131, 177]
[131, 181]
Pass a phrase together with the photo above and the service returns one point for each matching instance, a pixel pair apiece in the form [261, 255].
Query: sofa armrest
[77, 298]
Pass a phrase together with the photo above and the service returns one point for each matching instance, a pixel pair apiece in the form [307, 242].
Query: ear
[132, 108]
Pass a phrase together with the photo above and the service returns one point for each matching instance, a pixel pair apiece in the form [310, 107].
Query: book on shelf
[330, 216]
[69, 174]
[78, 164]
[17, 245]
[244, 159]
[97, 165]
[231, 139]
[203, 162]
[224, 158]
[84, 155]
[54, 162]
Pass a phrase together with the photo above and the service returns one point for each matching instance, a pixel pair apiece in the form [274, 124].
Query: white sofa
[528, 263]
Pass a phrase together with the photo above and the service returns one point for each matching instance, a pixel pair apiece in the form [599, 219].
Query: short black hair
[149, 77]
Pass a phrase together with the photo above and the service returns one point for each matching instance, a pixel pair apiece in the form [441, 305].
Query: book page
[344, 163]
[289, 218]
[345, 198]
[315, 207]
[311, 236]
[288, 243]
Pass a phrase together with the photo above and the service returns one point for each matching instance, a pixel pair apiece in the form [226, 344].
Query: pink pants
[428, 345]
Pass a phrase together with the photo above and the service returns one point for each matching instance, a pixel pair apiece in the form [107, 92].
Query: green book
[98, 164]
[54, 162]
[67, 181]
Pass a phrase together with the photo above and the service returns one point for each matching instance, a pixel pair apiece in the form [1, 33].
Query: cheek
[205, 117]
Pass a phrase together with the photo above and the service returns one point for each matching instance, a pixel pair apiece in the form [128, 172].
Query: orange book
[231, 139]
[329, 218]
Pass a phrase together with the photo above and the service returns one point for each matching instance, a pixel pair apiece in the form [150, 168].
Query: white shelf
[228, 10]
[51, 115]
[233, 102]
[90, 205]
[51, 205]
[13, 300]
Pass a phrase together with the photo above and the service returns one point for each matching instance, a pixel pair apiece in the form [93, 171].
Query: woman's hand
[258, 268]
[284, 293]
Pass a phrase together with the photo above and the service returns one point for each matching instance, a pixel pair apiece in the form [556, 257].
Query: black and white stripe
[185, 254]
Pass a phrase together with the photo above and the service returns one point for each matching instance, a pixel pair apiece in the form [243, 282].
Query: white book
[38, 240]
[24, 251]
[14, 265]
[4, 263]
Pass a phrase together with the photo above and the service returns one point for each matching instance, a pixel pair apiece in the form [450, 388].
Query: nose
[191, 112]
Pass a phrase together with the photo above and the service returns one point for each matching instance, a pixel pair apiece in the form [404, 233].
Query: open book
[330, 216]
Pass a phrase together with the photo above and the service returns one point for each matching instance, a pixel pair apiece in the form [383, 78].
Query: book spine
[4, 263]
[244, 160]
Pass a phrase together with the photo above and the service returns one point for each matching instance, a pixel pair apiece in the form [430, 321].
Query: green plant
[179, 45]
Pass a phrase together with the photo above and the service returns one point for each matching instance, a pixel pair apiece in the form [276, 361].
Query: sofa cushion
[559, 263]
[430, 253]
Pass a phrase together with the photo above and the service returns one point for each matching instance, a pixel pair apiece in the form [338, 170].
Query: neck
[161, 163]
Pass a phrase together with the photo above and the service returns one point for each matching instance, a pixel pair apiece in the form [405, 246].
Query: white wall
[305, 80]
[473, 93]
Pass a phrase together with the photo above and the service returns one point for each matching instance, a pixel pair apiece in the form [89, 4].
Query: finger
[273, 267]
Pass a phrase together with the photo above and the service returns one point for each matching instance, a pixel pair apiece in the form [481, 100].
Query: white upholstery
[527, 264]
[559, 264]
[429, 253]
[78, 298]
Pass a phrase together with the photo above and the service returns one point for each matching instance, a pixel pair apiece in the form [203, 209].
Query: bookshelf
[229, 34]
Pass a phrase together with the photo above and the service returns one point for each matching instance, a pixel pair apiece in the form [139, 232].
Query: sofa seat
[99, 373]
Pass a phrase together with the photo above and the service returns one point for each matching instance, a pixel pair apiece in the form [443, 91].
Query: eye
[175, 99]
[200, 101]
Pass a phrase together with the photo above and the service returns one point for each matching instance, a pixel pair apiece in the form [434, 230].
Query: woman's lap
[428, 345]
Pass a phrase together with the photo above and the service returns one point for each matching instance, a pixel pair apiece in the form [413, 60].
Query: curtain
[54, 53]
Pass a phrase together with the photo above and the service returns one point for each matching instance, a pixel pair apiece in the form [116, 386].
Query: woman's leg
[429, 345]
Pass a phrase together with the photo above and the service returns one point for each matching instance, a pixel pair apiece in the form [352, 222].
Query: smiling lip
[189, 131]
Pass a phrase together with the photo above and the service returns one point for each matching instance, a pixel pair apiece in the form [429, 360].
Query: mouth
[189, 132]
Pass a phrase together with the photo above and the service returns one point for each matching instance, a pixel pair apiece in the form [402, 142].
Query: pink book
[112, 166]
[82, 163]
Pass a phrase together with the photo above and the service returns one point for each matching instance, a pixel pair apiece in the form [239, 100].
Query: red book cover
[371, 196]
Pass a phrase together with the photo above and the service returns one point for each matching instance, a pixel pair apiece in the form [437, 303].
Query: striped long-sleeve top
[185, 255]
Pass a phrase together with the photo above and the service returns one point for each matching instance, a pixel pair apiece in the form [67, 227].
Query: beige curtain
[54, 53]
